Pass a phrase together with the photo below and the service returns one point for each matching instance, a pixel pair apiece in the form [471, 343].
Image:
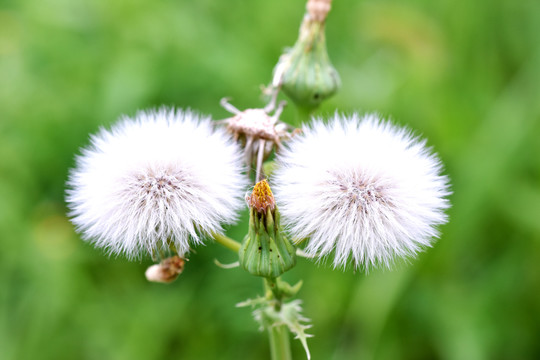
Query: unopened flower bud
[166, 271]
[305, 72]
[265, 250]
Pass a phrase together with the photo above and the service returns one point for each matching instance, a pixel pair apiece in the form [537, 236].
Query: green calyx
[308, 76]
[265, 250]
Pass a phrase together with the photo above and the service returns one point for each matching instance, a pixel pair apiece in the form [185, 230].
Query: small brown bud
[166, 271]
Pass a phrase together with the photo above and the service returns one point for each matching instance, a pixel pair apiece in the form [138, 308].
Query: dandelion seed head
[363, 188]
[161, 180]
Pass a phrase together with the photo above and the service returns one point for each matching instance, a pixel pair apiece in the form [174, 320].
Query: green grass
[466, 75]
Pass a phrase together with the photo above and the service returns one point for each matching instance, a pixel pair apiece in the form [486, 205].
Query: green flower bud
[265, 250]
[305, 72]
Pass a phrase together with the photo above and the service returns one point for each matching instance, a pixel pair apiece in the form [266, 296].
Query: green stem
[280, 345]
[271, 284]
[227, 242]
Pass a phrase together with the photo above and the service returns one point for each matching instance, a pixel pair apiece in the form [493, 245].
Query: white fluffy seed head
[361, 187]
[164, 178]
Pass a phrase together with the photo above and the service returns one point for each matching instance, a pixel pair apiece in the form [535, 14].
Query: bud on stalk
[265, 250]
[305, 72]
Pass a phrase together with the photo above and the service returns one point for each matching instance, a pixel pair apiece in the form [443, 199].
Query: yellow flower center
[262, 198]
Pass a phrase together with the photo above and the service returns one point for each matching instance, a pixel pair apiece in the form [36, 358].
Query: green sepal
[288, 290]
[266, 251]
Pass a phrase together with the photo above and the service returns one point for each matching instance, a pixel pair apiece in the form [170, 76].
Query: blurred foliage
[464, 74]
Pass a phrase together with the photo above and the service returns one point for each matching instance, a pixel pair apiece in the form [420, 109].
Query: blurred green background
[464, 74]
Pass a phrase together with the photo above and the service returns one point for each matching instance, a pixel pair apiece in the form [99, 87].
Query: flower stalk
[226, 241]
[280, 318]
[280, 344]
